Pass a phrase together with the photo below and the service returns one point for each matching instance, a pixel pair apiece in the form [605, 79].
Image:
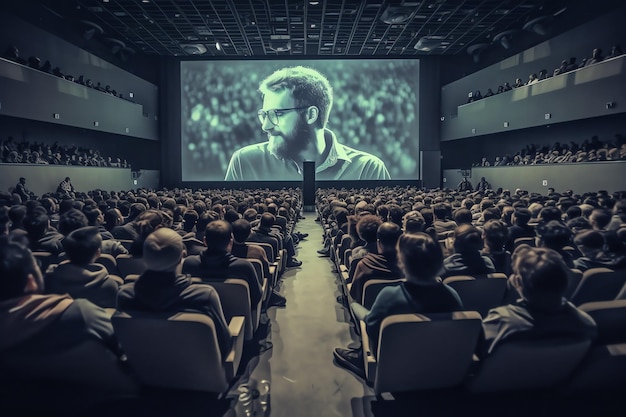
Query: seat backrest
[373, 287]
[418, 352]
[127, 264]
[479, 294]
[529, 364]
[530, 241]
[235, 299]
[179, 352]
[610, 317]
[622, 293]
[599, 284]
[268, 248]
[90, 364]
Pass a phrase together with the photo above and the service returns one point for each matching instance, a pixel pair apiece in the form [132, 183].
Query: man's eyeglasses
[274, 114]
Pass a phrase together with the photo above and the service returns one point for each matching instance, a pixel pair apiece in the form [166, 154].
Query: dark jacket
[90, 281]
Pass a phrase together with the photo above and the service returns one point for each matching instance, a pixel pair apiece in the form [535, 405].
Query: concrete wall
[581, 178]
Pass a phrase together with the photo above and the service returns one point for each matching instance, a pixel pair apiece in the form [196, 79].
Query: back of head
[589, 239]
[540, 274]
[217, 235]
[367, 226]
[341, 215]
[522, 216]
[267, 221]
[231, 215]
[241, 230]
[16, 263]
[462, 216]
[420, 256]
[82, 245]
[600, 217]
[467, 239]
[440, 211]
[554, 234]
[413, 222]
[163, 250]
[496, 234]
[550, 213]
[36, 224]
[387, 235]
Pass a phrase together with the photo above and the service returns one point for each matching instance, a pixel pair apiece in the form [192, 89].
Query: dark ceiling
[261, 28]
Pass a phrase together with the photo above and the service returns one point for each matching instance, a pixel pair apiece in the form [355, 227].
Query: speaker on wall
[308, 185]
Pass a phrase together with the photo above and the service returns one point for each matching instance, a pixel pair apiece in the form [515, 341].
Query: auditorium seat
[373, 287]
[235, 299]
[605, 365]
[128, 264]
[599, 284]
[108, 261]
[416, 352]
[480, 293]
[519, 364]
[89, 364]
[180, 352]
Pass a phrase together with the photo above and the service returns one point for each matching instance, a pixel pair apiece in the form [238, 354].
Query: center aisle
[304, 380]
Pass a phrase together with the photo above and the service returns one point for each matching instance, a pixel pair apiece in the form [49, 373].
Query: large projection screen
[374, 113]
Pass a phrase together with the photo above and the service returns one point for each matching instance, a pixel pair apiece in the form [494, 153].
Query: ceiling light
[218, 46]
[428, 43]
[504, 38]
[314, 3]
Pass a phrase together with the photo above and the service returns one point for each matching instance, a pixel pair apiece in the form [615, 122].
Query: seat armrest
[369, 360]
[117, 279]
[343, 268]
[237, 334]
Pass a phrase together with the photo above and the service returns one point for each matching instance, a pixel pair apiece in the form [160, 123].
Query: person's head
[163, 250]
[22, 180]
[521, 216]
[590, 242]
[296, 101]
[419, 256]
[241, 230]
[495, 234]
[82, 245]
[218, 236]
[413, 222]
[36, 224]
[267, 221]
[71, 220]
[539, 275]
[462, 216]
[19, 272]
[113, 217]
[600, 218]
[67, 179]
[367, 227]
[387, 236]
[467, 239]
[554, 235]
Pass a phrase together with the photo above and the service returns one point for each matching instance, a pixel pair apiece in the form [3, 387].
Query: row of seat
[416, 352]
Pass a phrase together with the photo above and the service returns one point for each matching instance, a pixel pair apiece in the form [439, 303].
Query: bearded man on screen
[296, 106]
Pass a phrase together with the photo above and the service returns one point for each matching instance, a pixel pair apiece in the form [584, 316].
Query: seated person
[162, 290]
[366, 227]
[540, 277]
[41, 236]
[591, 244]
[557, 236]
[81, 277]
[217, 261]
[33, 322]
[495, 236]
[467, 259]
[382, 264]
[596, 56]
[421, 259]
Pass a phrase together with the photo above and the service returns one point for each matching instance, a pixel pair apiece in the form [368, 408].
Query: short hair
[462, 216]
[231, 215]
[467, 238]
[554, 234]
[250, 214]
[601, 216]
[82, 244]
[387, 235]
[71, 220]
[491, 213]
[440, 211]
[267, 220]
[217, 235]
[542, 272]
[414, 222]
[550, 213]
[36, 224]
[496, 234]
[419, 256]
[308, 88]
[591, 239]
[241, 230]
[16, 263]
[522, 216]
[367, 226]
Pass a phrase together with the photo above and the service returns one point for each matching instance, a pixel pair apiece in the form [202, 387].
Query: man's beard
[290, 146]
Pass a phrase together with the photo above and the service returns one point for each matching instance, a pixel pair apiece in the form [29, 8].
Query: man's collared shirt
[255, 162]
